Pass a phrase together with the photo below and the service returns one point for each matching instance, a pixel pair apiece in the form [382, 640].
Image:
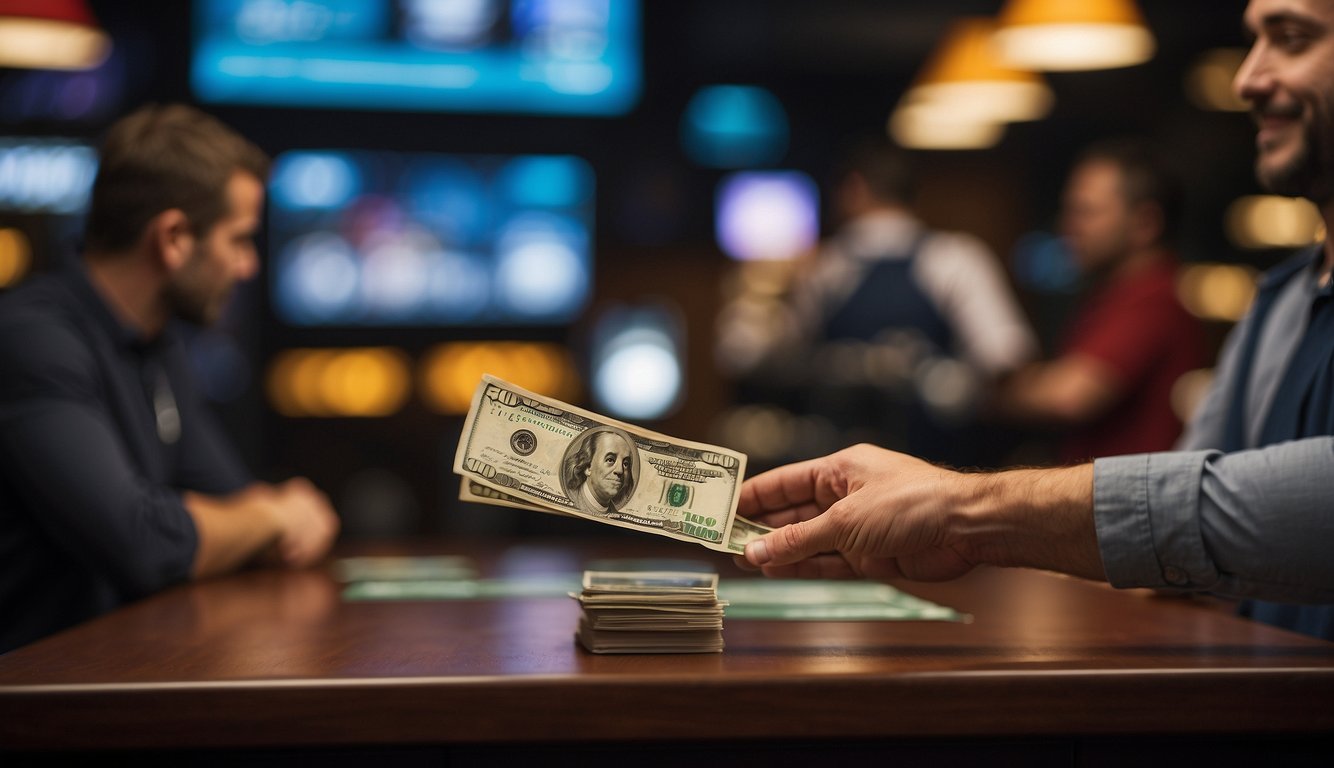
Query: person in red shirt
[1110, 389]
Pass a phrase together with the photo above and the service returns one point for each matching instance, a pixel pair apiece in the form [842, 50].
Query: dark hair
[888, 170]
[1145, 177]
[164, 157]
[576, 465]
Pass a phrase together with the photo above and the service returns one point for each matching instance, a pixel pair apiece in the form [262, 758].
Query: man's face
[1095, 218]
[1288, 78]
[224, 255]
[611, 465]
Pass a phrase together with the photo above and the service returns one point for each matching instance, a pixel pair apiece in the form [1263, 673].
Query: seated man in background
[1110, 391]
[115, 481]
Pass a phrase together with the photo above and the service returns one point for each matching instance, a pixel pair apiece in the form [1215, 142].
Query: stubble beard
[190, 295]
[1308, 174]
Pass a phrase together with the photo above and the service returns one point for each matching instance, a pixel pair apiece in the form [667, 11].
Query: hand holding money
[520, 449]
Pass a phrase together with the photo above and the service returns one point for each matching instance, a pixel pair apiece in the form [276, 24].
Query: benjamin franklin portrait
[598, 470]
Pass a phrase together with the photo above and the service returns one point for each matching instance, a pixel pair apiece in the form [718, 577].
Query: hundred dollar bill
[520, 449]
[743, 529]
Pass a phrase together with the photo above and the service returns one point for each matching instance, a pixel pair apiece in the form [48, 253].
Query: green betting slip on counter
[771, 599]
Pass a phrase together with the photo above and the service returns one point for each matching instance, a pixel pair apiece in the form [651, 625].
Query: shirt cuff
[1146, 511]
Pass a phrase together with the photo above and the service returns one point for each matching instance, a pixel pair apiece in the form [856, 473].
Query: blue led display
[46, 175]
[579, 57]
[382, 238]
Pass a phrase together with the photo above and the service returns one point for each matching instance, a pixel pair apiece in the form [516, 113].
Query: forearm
[1072, 390]
[1033, 518]
[232, 531]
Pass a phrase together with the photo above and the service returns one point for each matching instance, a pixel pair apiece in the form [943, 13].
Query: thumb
[792, 543]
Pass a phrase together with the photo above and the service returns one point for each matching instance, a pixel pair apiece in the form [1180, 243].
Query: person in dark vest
[1243, 509]
[894, 329]
[1109, 392]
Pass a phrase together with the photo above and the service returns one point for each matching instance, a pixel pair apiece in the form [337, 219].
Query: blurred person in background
[892, 331]
[115, 481]
[1110, 390]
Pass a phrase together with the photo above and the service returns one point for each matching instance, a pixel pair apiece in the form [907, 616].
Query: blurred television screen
[384, 238]
[45, 175]
[45, 184]
[577, 57]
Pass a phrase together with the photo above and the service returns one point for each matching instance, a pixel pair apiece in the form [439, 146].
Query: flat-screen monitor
[576, 57]
[385, 238]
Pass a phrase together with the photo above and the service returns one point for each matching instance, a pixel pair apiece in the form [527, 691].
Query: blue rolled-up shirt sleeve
[1246, 524]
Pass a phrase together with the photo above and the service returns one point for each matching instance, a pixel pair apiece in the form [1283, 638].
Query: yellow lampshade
[923, 125]
[50, 34]
[1072, 34]
[964, 79]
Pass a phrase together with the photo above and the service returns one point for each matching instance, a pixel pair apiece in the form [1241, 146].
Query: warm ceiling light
[922, 125]
[1258, 222]
[1072, 34]
[1216, 291]
[50, 34]
[1209, 81]
[965, 78]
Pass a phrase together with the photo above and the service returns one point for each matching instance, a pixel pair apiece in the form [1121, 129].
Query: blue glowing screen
[381, 238]
[734, 126]
[579, 57]
[46, 175]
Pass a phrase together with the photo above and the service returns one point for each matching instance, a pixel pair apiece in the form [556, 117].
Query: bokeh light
[1217, 291]
[1209, 80]
[1269, 221]
[45, 175]
[734, 126]
[1188, 392]
[354, 382]
[767, 214]
[314, 180]
[449, 373]
[637, 370]
[15, 256]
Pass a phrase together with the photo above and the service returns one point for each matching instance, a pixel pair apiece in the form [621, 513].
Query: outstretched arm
[869, 512]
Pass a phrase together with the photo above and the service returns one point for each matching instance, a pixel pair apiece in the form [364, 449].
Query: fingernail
[757, 552]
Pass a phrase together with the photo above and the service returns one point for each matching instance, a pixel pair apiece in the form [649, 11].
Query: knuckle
[792, 536]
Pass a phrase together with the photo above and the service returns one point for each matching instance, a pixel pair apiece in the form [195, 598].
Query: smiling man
[1241, 509]
[115, 481]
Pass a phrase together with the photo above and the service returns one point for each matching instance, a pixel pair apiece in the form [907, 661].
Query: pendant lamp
[1056, 35]
[50, 34]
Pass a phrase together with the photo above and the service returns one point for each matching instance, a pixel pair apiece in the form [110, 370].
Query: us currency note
[520, 449]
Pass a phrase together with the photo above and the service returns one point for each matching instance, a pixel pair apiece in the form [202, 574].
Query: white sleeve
[970, 289]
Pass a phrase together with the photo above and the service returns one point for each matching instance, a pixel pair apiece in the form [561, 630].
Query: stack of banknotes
[650, 612]
[520, 449]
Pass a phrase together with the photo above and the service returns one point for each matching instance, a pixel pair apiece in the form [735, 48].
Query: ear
[170, 239]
